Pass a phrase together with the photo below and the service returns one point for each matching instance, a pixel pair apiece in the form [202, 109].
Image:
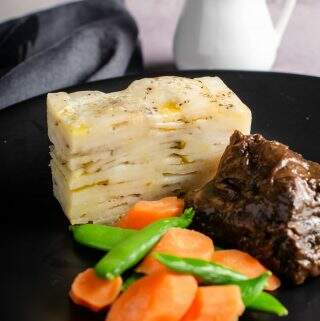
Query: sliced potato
[158, 137]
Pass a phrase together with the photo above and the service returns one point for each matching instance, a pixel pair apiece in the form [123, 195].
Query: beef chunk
[264, 199]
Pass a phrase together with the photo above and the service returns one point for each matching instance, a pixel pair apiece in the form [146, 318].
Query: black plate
[38, 257]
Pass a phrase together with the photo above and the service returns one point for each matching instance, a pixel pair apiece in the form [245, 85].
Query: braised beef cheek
[264, 199]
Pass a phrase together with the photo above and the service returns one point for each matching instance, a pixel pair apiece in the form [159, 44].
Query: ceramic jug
[229, 34]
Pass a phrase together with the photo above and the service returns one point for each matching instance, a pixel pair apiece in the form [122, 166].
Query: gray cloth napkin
[66, 45]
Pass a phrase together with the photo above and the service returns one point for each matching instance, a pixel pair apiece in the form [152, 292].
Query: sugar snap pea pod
[209, 272]
[212, 273]
[131, 279]
[268, 303]
[99, 236]
[251, 288]
[130, 251]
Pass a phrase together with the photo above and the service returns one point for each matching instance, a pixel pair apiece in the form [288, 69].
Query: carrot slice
[92, 292]
[246, 264]
[157, 297]
[216, 303]
[144, 213]
[179, 242]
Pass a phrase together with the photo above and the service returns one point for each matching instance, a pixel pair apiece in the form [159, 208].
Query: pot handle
[284, 19]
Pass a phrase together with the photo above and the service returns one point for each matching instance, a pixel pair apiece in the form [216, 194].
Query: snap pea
[99, 236]
[131, 250]
[251, 289]
[209, 272]
[212, 273]
[268, 303]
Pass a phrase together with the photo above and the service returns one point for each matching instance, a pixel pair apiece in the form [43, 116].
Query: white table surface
[299, 51]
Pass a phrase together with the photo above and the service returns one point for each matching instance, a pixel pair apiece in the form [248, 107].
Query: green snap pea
[99, 236]
[268, 303]
[131, 250]
[209, 272]
[251, 289]
[212, 273]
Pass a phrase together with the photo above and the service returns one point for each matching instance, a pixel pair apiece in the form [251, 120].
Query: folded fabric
[66, 45]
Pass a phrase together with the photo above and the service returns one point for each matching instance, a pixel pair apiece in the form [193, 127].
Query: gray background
[298, 52]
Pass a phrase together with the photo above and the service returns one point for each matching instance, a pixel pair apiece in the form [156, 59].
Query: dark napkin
[64, 46]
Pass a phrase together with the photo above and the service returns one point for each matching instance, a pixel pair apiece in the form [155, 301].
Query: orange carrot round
[216, 303]
[246, 264]
[144, 213]
[157, 297]
[178, 242]
[92, 292]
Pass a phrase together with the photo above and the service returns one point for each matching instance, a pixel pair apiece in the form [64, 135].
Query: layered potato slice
[160, 136]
